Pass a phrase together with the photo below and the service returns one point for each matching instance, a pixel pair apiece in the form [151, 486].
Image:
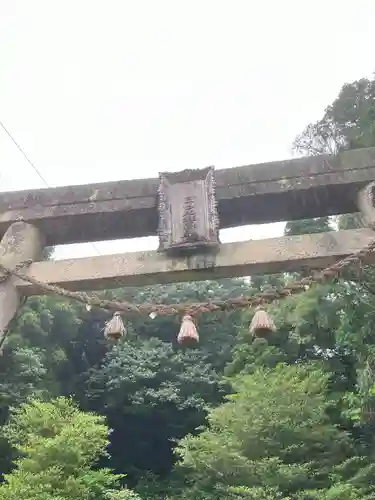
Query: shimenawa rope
[242, 302]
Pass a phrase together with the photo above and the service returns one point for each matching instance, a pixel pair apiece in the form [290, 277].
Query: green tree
[152, 394]
[152, 391]
[58, 445]
[348, 123]
[75, 359]
[272, 439]
[308, 226]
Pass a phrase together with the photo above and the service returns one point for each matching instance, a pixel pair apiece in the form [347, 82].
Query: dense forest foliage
[237, 417]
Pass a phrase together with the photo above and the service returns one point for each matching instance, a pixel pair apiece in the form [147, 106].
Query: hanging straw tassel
[188, 335]
[261, 324]
[114, 328]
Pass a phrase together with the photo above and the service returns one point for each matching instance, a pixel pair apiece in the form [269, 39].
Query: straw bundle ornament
[188, 335]
[114, 328]
[261, 325]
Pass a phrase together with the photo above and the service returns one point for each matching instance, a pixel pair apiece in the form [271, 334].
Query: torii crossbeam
[186, 210]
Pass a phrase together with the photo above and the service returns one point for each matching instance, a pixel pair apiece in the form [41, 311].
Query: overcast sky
[108, 90]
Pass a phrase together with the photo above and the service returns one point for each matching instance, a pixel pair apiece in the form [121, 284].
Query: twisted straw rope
[333, 271]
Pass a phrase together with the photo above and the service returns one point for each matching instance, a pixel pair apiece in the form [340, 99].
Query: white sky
[108, 90]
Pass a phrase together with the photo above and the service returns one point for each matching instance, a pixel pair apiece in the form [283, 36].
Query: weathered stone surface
[283, 190]
[234, 259]
[21, 242]
[188, 219]
[366, 204]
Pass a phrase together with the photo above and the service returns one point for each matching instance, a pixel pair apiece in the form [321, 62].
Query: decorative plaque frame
[188, 215]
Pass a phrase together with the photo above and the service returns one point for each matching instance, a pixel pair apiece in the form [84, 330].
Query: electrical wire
[34, 167]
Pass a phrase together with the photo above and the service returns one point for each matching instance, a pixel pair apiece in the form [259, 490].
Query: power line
[23, 153]
[33, 166]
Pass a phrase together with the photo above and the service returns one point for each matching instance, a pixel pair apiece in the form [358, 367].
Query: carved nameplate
[188, 217]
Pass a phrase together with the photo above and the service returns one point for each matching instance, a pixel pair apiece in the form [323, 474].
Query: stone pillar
[21, 242]
[366, 205]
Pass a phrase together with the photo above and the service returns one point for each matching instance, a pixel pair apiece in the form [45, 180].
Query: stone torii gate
[186, 210]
